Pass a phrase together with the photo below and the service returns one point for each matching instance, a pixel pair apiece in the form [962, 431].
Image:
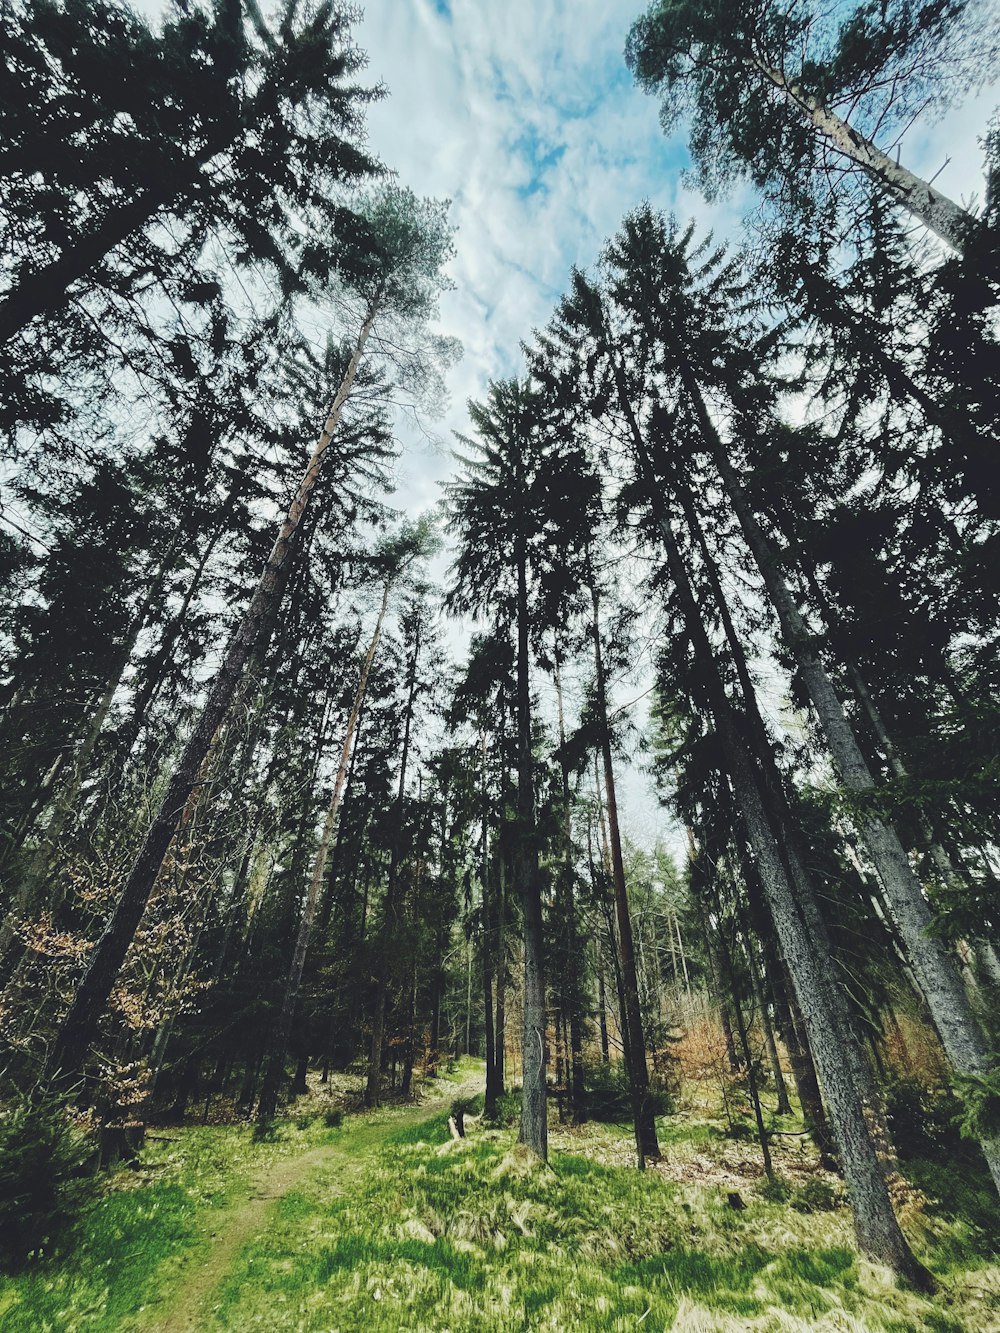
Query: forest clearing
[499, 686]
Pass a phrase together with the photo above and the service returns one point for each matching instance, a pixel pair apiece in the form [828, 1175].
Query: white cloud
[524, 115]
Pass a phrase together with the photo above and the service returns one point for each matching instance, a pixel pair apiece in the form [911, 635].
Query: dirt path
[190, 1310]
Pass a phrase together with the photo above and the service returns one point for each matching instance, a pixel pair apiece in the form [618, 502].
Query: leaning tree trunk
[79, 1028]
[954, 225]
[780, 816]
[29, 899]
[936, 974]
[278, 1044]
[876, 1225]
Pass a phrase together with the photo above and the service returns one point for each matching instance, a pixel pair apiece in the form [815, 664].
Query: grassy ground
[396, 1226]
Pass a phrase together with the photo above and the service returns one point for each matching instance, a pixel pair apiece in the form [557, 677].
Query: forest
[346, 981]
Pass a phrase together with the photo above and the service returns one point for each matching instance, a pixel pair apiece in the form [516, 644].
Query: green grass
[473, 1236]
[131, 1242]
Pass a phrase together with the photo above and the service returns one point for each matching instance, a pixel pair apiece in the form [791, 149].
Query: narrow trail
[191, 1304]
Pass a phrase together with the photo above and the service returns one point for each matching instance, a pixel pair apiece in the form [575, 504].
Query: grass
[133, 1241]
[469, 1236]
[472, 1236]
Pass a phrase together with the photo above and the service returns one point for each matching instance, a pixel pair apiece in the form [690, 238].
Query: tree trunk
[760, 998]
[646, 1142]
[281, 1032]
[572, 980]
[500, 1030]
[935, 210]
[748, 1058]
[489, 945]
[373, 1087]
[534, 1111]
[877, 1228]
[79, 1028]
[30, 894]
[936, 974]
[781, 821]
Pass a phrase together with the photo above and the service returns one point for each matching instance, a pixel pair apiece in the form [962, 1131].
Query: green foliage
[740, 73]
[815, 1196]
[508, 1109]
[739, 1130]
[979, 1095]
[334, 1118]
[44, 1178]
[609, 1098]
[775, 1189]
[477, 1236]
[467, 1105]
[922, 1120]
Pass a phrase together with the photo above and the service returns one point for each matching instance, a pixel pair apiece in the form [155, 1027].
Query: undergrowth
[131, 1241]
[472, 1236]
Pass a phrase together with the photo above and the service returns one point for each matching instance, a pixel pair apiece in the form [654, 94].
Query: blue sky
[525, 116]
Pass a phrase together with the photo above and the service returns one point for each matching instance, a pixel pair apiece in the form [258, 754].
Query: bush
[774, 1189]
[45, 1176]
[608, 1097]
[508, 1110]
[740, 1131]
[922, 1121]
[334, 1118]
[815, 1196]
[462, 1106]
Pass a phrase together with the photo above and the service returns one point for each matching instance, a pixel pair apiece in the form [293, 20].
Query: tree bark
[936, 974]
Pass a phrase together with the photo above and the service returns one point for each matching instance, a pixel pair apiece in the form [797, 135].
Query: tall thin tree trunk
[936, 974]
[489, 942]
[646, 1142]
[373, 1086]
[280, 1033]
[501, 977]
[577, 1093]
[534, 1132]
[749, 1062]
[602, 1006]
[760, 999]
[29, 896]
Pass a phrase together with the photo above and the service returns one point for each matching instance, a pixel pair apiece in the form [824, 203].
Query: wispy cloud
[525, 116]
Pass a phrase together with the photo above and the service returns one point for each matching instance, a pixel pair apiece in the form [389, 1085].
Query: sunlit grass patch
[474, 1235]
[132, 1242]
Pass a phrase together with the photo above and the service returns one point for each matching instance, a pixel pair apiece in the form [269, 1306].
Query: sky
[524, 115]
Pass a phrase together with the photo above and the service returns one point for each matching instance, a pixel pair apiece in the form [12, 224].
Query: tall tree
[513, 512]
[791, 94]
[395, 278]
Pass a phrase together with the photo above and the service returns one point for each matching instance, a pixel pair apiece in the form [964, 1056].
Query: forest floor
[387, 1223]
